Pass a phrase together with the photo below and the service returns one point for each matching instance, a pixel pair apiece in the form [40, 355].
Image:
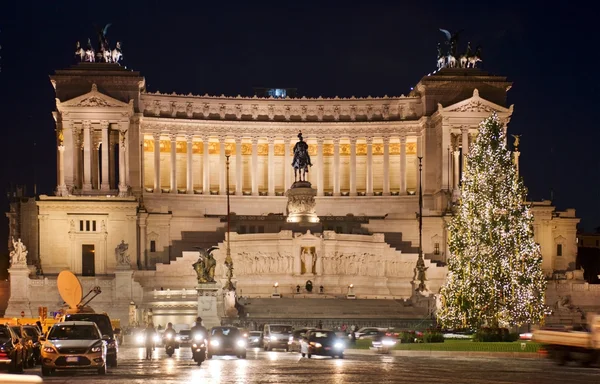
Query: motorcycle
[199, 348]
[171, 344]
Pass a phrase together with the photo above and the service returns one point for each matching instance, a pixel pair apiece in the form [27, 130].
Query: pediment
[92, 99]
[475, 104]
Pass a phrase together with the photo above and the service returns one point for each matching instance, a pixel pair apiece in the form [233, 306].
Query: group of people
[150, 333]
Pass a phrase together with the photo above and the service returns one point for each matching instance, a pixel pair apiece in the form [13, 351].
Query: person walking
[149, 334]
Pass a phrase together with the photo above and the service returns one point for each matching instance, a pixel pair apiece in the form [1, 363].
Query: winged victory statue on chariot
[103, 54]
[451, 58]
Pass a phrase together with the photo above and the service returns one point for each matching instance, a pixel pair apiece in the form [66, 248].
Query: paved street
[282, 367]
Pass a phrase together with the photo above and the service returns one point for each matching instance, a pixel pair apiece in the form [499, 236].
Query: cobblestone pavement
[282, 367]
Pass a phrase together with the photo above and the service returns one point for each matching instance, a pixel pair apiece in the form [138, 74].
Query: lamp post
[420, 268]
[228, 261]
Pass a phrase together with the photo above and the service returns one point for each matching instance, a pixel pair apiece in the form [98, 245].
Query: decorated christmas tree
[494, 270]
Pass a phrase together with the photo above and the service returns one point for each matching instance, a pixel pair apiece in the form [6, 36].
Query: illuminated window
[558, 249]
[436, 249]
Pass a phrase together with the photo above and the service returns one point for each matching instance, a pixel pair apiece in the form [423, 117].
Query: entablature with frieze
[246, 129]
[87, 205]
[286, 109]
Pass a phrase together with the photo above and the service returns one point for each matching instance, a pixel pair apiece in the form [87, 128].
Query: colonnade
[333, 189]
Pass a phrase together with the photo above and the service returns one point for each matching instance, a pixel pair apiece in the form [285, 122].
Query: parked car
[12, 355]
[27, 343]
[34, 333]
[102, 320]
[226, 341]
[276, 336]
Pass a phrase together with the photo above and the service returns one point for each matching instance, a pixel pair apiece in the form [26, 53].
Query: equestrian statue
[301, 160]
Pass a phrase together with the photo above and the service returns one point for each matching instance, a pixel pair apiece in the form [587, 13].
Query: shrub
[495, 335]
[433, 336]
[407, 337]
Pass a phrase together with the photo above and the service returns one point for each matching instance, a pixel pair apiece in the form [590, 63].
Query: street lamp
[228, 261]
[350, 294]
[420, 267]
[275, 293]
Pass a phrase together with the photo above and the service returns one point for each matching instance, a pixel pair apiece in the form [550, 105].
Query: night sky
[321, 48]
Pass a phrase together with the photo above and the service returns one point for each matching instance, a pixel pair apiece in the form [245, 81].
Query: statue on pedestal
[121, 253]
[301, 160]
[18, 256]
[205, 266]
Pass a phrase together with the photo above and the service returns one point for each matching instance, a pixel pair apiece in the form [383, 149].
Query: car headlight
[96, 349]
[338, 345]
[318, 345]
[156, 338]
[214, 343]
[198, 337]
[140, 338]
[291, 339]
[241, 343]
[273, 338]
[49, 350]
[169, 336]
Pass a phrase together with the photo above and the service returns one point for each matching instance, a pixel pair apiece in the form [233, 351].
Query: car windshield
[30, 331]
[185, 332]
[74, 332]
[281, 328]
[102, 321]
[228, 332]
[4, 334]
[17, 330]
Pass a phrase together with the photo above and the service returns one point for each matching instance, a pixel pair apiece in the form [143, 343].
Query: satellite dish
[69, 288]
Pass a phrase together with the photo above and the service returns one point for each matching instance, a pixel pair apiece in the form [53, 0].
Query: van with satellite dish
[71, 292]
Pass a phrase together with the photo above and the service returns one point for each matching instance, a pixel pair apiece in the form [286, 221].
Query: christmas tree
[494, 270]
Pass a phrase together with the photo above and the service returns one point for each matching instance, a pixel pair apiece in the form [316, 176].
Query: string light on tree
[494, 271]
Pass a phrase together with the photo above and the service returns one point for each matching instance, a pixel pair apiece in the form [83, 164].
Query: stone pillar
[142, 221]
[287, 164]
[173, 178]
[254, 172]
[205, 166]
[157, 186]
[239, 167]
[189, 166]
[336, 166]
[87, 155]
[61, 189]
[369, 172]
[465, 146]
[320, 166]
[96, 158]
[352, 166]
[456, 168]
[403, 165]
[19, 292]
[105, 146]
[271, 169]
[222, 167]
[207, 304]
[386, 166]
[516, 155]
[123, 190]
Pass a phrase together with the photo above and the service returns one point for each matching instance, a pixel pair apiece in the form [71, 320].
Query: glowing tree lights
[494, 272]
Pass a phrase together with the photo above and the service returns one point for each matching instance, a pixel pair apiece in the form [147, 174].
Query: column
[386, 166]
[271, 169]
[336, 166]
[105, 146]
[456, 167]
[205, 166]
[369, 172]
[189, 167]
[516, 155]
[465, 145]
[403, 164]
[95, 165]
[173, 175]
[254, 171]
[352, 166]
[287, 164]
[61, 188]
[222, 167]
[239, 167]
[122, 155]
[157, 187]
[320, 166]
[87, 155]
[143, 240]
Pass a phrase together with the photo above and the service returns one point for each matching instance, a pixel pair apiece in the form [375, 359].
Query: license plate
[72, 359]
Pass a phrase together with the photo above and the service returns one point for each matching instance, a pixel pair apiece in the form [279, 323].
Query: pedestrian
[343, 327]
[320, 325]
[149, 334]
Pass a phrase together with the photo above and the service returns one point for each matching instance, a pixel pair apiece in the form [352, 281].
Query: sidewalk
[508, 355]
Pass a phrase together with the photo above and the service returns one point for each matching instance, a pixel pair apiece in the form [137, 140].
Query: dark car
[294, 343]
[34, 333]
[103, 322]
[226, 341]
[324, 343]
[27, 343]
[11, 350]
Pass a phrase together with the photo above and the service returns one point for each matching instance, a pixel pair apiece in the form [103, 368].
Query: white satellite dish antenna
[69, 288]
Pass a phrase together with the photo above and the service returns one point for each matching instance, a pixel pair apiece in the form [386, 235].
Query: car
[103, 322]
[255, 339]
[74, 345]
[185, 336]
[367, 332]
[12, 355]
[295, 339]
[324, 343]
[27, 343]
[34, 333]
[226, 341]
[276, 336]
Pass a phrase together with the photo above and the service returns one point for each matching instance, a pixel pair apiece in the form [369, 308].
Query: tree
[494, 270]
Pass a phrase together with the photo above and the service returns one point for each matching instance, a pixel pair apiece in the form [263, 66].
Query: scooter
[199, 348]
[171, 343]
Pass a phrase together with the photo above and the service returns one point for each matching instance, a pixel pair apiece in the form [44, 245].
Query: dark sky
[321, 48]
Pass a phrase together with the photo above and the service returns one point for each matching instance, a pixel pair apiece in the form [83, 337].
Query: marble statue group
[18, 256]
[103, 53]
[451, 58]
[205, 266]
[121, 253]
